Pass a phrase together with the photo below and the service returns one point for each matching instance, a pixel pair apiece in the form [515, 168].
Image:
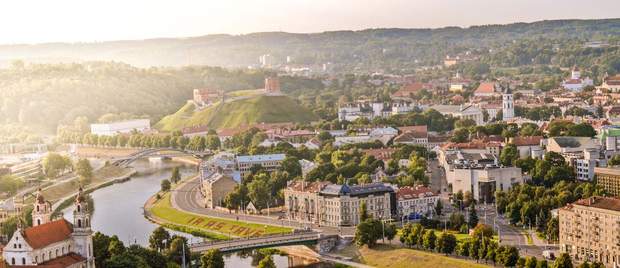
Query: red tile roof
[381, 154]
[485, 88]
[66, 261]
[417, 129]
[609, 203]
[409, 192]
[411, 88]
[47, 234]
[527, 141]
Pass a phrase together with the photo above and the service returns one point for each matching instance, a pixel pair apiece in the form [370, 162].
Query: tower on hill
[272, 85]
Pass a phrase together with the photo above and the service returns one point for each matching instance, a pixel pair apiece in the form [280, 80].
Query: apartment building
[301, 200]
[590, 230]
[417, 200]
[339, 204]
[609, 179]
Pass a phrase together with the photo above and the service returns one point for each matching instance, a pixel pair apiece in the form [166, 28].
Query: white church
[53, 243]
[575, 82]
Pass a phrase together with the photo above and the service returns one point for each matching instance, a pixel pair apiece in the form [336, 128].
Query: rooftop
[608, 203]
[47, 234]
[353, 190]
[409, 192]
[261, 157]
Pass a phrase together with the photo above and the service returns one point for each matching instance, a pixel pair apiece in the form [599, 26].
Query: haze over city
[297, 133]
[32, 21]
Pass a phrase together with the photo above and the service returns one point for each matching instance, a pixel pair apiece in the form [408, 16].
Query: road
[187, 197]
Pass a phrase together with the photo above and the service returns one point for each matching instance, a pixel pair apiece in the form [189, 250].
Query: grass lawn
[163, 210]
[245, 92]
[392, 256]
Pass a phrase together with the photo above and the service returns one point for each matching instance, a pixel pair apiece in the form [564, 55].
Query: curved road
[187, 197]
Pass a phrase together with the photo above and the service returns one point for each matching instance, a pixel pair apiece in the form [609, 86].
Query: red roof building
[486, 89]
[410, 89]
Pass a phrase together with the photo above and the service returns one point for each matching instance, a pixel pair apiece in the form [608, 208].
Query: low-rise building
[339, 204]
[582, 153]
[215, 186]
[487, 89]
[122, 127]
[528, 146]
[417, 200]
[590, 230]
[269, 162]
[461, 111]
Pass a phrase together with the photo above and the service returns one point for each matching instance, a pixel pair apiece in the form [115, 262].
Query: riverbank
[161, 211]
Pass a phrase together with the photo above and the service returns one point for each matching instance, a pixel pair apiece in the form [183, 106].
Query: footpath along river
[119, 210]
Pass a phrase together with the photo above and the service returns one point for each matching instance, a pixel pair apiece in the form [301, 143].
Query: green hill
[259, 109]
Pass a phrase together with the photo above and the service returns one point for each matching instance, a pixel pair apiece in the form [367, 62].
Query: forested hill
[45, 95]
[366, 49]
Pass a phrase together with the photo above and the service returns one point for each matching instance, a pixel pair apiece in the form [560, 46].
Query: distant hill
[255, 109]
[348, 50]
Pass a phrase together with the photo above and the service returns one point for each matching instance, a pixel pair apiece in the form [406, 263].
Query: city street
[187, 197]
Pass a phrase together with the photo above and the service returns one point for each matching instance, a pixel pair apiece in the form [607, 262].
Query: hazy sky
[30, 21]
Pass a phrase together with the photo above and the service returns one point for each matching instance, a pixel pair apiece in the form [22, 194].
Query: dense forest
[371, 49]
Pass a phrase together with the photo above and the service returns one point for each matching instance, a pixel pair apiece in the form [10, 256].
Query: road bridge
[264, 241]
[162, 152]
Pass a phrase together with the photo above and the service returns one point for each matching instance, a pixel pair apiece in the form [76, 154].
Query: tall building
[269, 162]
[609, 179]
[590, 230]
[301, 200]
[53, 243]
[508, 108]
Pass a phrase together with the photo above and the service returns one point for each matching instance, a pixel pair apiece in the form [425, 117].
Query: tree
[259, 192]
[176, 175]
[212, 259]
[448, 243]
[101, 243]
[456, 220]
[266, 262]
[84, 170]
[55, 164]
[473, 217]
[510, 256]
[367, 232]
[151, 257]
[581, 130]
[363, 212]
[116, 246]
[531, 262]
[292, 166]
[563, 261]
[213, 142]
[509, 155]
[125, 260]
[482, 230]
[552, 230]
[542, 264]
[165, 185]
[429, 239]
[159, 239]
[438, 208]
[178, 245]
[390, 232]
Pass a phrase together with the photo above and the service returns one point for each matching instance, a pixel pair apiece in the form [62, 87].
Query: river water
[118, 209]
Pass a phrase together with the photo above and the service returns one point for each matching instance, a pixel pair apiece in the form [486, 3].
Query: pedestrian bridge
[262, 242]
[161, 152]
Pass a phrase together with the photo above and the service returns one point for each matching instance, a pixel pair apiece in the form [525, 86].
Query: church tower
[82, 233]
[508, 108]
[42, 211]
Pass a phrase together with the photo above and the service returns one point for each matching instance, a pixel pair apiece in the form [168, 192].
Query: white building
[478, 173]
[508, 106]
[582, 153]
[575, 82]
[111, 129]
[53, 243]
[416, 200]
[461, 111]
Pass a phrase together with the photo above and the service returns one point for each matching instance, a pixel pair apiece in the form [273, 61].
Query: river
[118, 209]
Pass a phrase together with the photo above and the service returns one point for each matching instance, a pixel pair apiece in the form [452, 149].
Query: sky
[37, 21]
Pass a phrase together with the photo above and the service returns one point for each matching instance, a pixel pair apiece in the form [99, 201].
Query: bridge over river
[159, 152]
[266, 241]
